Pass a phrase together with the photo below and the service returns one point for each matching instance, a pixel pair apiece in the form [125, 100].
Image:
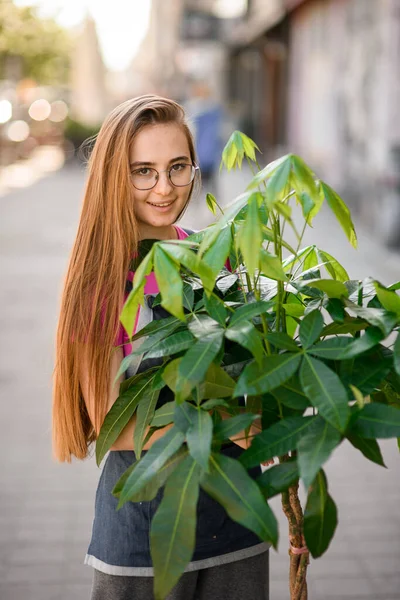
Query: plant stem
[298, 563]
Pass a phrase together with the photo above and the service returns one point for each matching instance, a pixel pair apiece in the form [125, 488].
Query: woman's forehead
[159, 143]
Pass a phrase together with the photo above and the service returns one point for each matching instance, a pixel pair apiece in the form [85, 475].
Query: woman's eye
[144, 171]
[178, 167]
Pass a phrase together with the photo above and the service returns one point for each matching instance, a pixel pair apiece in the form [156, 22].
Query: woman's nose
[163, 185]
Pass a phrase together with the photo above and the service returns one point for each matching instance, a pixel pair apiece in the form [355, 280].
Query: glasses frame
[168, 171]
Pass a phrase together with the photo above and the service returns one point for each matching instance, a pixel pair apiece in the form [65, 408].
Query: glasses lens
[144, 178]
[181, 174]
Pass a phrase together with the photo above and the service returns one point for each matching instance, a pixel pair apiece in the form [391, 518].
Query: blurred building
[89, 100]
[320, 78]
[154, 68]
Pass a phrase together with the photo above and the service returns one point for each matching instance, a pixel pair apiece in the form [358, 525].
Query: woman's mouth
[161, 206]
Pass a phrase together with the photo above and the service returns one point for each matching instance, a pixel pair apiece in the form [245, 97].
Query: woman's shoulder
[183, 232]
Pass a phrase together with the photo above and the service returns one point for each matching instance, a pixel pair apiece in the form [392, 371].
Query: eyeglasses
[179, 175]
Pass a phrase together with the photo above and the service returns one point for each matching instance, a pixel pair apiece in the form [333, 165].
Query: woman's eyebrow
[142, 163]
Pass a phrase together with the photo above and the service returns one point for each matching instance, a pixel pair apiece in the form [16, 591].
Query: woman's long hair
[92, 298]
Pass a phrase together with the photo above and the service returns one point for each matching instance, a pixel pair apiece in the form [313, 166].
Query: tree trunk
[298, 553]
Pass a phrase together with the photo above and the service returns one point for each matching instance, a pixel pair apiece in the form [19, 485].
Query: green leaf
[217, 383]
[229, 427]
[371, 338]
[335, 308]
[250, 235]
[225, 283]
[266, 172]
[280, 438]
[144, 416]
[171, 345]
[233, 152]
[158, 327]
[370, 448]
[332, 348]
[250, 310]
[377, 420]
[368, 371]
[199, 437]
[173, 528]
[216, 255]
[277, 479]
[282, 340]
[136, 296]
[340, 211]
[171, 377]
[294, 257]
[229, 484]
[320, 517]
[290, 394]
[279, 180]
[331, 287]
[314, 449]
[121, 413]
[249, 146]
[184, 416]
[396, 354]
[152, 461]
[211, 203]
[183, 255]
[164, 415]
[213, 403]
[349, 325]
[169, 282]
[131, 307]
[302, 178]
[310, 328]
[271, 373]
[271, 266]
[246, 335]
[325, 391]
[389, 299]
[216, 308]
[294, 309]
[188, 296]
[310, 261]
[195, 364]
[333, 266]
[203, 326]
[149, 491]
[375, 316]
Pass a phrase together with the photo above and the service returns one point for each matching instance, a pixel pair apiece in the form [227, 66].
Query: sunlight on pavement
[43, 160]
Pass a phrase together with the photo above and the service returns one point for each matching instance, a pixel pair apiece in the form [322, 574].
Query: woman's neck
[147, 232]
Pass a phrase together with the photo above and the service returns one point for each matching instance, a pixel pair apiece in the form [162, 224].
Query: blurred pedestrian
[141, 175]
[206, 114]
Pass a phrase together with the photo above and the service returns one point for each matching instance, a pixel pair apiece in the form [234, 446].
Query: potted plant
[283, 326]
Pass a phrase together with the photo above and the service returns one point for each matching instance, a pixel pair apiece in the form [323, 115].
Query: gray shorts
[247, 578]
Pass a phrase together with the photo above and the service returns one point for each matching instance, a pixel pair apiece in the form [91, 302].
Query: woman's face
[159, 147]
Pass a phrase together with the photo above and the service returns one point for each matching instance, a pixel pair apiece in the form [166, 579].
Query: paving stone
[342, 588]
[32, 592]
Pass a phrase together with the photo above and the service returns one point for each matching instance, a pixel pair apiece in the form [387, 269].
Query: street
[46, 508]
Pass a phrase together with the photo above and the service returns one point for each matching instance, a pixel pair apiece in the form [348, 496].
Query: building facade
[320, 78]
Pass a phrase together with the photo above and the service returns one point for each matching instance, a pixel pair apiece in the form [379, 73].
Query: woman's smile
[161, 206]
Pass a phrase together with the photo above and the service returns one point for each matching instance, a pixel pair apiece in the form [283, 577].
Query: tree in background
[40, 47]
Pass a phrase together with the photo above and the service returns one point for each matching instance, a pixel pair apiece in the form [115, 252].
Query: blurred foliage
[78, 133]
[42, 46]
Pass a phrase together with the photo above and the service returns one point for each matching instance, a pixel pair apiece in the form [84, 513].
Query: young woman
[141, 175]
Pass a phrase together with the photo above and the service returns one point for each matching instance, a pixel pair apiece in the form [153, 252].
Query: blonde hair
[92, 298]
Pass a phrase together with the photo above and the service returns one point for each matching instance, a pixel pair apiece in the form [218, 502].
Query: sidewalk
[46, 509]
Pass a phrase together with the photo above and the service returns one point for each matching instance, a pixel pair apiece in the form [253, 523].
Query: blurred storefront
[320, 78]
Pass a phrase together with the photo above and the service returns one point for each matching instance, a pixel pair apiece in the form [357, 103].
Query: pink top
[150, 287]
